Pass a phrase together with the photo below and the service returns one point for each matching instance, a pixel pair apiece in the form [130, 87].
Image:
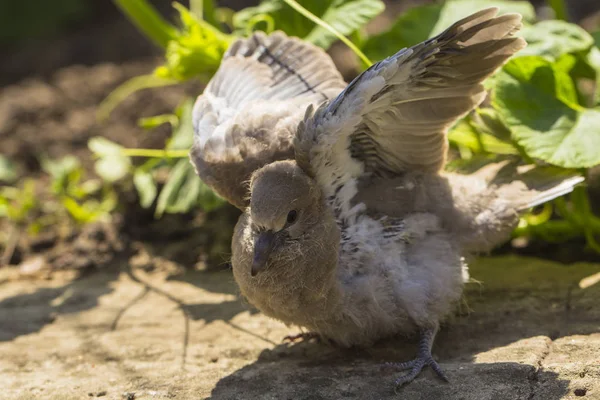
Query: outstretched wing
[250, 110]
[393, 117]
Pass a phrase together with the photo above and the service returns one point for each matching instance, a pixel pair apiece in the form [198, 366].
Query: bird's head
[285, 207]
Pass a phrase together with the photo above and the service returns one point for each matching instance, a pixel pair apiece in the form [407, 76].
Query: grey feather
[248, 113]
[362, 237]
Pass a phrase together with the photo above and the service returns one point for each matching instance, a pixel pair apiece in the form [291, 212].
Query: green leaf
[345, 17]
[560, 9]
[170, 193]
[145, 186]
[465, 134]
[412, 27]
[184, 190]
[183, 135]
[148, 20]
[8, 170]
[196, 52]
[551, 39]
[423, 22]
[284, 17]
[157, 120]
[535, 100]
[454, 10]
[111, 165]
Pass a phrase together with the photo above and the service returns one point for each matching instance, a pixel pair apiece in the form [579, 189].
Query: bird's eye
[292, 216]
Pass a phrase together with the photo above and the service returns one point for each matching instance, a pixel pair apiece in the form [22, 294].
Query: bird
[350, 226]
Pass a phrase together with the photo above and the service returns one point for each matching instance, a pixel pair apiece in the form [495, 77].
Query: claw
[423, 358]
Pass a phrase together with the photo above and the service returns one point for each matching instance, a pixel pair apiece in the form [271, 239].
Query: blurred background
[59, 60]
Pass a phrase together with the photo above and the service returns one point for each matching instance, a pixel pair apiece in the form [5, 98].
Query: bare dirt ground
[139, 308]
[527, 331]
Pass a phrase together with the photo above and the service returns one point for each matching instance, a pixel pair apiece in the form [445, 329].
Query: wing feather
[393, 117]
[249, 111]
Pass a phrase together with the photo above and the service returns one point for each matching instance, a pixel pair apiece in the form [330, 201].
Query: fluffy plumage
[249, 112]
[361, 236]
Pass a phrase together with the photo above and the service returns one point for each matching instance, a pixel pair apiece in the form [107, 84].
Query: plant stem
[148, 21]
[325, 25]
[155, 153]
[127, 88]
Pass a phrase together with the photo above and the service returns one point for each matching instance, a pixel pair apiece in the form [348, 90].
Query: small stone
[128, 396]
[101, 394]
[214, 359]
[32, 265]
[580, 392]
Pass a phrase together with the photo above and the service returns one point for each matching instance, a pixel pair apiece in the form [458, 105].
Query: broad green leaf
[454, 10]
[283, 17]
[184, 190]
[145, 186]
[465, 134]
[551, 39]
[61, 167]
[535, 100]
[8, 171]
[103, 147]
[346, 16]
[546, 76]
[112, 168]
[412, 27]
[111, 165]
[593, 60]
[560, 9]
[169, 193]
[183, 134]
[423, 22]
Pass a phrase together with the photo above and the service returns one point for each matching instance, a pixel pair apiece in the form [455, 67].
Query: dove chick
[359, 235]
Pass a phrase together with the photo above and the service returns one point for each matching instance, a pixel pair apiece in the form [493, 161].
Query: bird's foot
[416, 366]
[304, 336]
[423, 359]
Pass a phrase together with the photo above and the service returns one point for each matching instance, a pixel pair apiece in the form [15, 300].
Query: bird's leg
[423, 358]
[302, 336]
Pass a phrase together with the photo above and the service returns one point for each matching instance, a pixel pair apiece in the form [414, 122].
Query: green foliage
[345, 16]
[551, 39]
[8, 170]
[69, 197]
[421, 23]
[181, 191]
[539, 104]
[196, 51]
[84, 200]
[542, 109]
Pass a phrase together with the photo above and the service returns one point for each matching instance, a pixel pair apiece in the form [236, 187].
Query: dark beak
[262, 250]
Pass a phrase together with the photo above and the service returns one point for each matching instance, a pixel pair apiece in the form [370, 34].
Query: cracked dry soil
[527, 331]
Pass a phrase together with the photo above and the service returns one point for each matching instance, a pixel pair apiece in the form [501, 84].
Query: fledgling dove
[359, 235]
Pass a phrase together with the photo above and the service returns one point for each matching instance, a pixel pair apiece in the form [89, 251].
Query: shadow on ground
[497, 348]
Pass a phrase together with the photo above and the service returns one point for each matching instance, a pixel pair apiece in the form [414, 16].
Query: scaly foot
[423, 358]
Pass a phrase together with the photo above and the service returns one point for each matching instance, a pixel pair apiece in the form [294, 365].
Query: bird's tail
[527, 186]
[495, 195]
